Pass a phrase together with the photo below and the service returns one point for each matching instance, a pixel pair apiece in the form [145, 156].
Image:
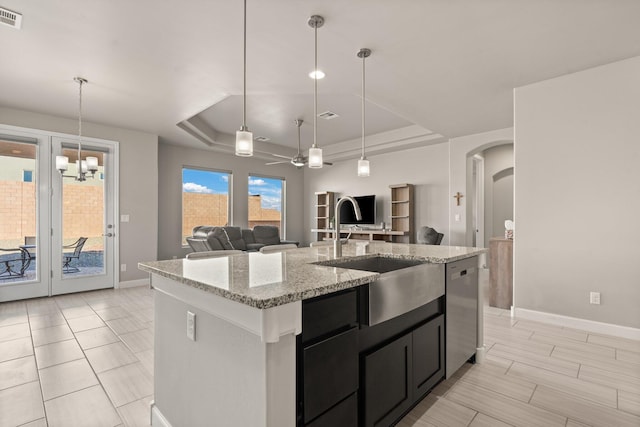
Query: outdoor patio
[90, 263]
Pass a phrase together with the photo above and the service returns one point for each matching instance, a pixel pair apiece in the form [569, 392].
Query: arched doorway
[490, 172]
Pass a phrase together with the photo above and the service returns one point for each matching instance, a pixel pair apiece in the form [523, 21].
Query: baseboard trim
[576, 323]
[157, 419]
[133, 283]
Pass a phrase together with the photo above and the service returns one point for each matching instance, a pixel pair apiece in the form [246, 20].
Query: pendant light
[90, 164]
[244, 138]
[315, 153]
[363, 163]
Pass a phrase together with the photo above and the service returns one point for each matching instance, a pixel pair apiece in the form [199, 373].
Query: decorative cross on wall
[458, 196]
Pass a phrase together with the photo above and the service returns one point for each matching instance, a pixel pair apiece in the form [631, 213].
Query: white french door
[41, 212]
[83, 218]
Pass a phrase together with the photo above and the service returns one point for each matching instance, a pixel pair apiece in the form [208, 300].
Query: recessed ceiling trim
[10, 18]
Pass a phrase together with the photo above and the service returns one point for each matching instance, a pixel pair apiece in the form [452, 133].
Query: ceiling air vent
[261, 139]
[12, 19]
[328, 115]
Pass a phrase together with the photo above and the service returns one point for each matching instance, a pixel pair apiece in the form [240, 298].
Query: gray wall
[427, 168]
[498, 190]
[171, 159]
[577, 194]
[138, 181]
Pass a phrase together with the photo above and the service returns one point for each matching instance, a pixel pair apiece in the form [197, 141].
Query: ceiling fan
[298, 160]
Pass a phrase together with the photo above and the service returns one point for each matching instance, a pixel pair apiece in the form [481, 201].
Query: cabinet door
[428, 356]
[344, 414]
[387, 382]
[330, 373]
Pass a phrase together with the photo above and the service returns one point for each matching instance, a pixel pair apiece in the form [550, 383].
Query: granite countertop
[271, 279]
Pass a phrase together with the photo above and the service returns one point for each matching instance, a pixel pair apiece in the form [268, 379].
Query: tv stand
[360, 234]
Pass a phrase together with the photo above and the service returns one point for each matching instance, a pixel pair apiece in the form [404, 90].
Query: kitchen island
[229, 336]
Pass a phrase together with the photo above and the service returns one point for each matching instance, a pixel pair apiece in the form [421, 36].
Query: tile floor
[87, 360]
[77, 360]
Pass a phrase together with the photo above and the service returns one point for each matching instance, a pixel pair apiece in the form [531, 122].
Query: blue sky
[202, 181]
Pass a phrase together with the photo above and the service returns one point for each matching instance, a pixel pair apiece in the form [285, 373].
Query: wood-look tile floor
[87, 360]
[539, 375]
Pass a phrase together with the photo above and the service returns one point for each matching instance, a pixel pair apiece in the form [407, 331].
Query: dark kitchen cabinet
[387, 382]
[350, 374]
[400, 373]
[428, 356]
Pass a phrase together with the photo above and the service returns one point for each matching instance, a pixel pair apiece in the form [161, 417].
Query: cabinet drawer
[330, 372]
[344, 414]
[323, 315]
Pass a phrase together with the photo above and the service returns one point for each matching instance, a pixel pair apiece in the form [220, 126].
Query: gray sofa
[212, 238]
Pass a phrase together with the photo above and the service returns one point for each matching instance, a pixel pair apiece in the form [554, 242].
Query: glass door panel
[21, 208]
[83, 219]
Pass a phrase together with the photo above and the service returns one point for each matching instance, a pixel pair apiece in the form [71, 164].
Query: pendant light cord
[363, 103]
[80, 81]
[315, 87]
[244, 84]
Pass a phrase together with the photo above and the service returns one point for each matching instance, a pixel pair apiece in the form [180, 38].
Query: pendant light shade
[244, 138]
[363, 163]
[315, 153]
[244, 143]
[315, 158]
[363, 167]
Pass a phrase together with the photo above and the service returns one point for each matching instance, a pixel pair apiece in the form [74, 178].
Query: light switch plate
[124, 218]
[191, 326]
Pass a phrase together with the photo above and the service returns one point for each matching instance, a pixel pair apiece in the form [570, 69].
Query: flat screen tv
[367, 209]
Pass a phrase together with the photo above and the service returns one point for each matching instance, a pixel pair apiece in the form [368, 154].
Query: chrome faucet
[337, 244]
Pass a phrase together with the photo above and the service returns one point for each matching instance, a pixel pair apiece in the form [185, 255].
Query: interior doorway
[490, 186]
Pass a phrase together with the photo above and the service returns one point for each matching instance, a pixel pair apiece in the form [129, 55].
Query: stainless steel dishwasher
[461, 312]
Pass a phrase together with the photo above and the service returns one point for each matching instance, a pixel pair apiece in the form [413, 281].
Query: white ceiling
[439, 68]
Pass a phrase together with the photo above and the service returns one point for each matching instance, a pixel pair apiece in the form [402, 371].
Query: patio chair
[68, 257]
[15, 263]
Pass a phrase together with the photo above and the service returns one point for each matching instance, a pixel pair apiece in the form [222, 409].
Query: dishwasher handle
[462, 273]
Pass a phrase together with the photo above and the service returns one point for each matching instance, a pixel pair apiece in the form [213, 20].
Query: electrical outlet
[123, 267]
[594, 298]
[191, 326]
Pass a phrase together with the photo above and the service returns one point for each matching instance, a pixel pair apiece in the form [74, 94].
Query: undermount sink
[403, 285]
[376, 264]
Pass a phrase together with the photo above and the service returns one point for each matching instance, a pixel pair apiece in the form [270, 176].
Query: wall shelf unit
[325, 205]
[402, 212]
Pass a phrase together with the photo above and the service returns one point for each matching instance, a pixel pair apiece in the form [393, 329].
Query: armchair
[68, 257]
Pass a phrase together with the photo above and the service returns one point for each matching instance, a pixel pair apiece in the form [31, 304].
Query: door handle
[109, 234]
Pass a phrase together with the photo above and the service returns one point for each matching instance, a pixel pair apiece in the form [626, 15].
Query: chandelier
[83, 167]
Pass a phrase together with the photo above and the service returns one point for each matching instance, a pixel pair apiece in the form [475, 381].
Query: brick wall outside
[203, 209]
[82, 213]
[17, 212]
[260, 216]
[211, 209]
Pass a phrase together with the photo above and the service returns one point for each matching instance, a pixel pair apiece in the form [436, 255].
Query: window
[27, 176]
[266, 201]
[205, 199]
